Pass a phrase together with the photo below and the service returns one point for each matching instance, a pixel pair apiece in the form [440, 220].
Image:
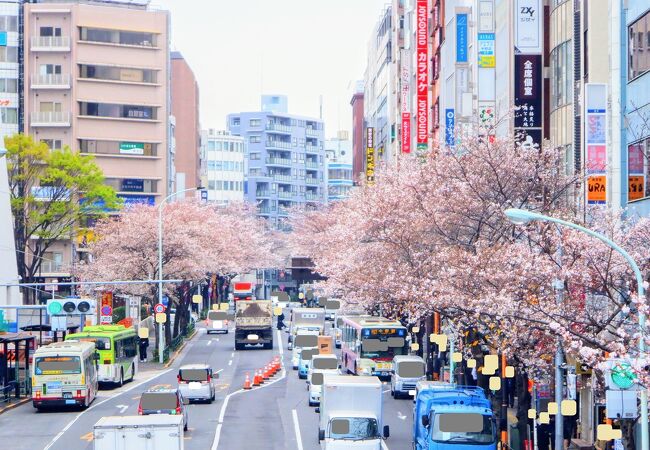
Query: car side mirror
[425, 421]
[386, 431]
[96, 357]
[317, 410]
[321, 435]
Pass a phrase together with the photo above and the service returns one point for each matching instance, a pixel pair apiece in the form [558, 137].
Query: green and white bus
[117, 347]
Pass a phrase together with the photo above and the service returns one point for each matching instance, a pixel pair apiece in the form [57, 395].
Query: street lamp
[160, 274]
[522, 216]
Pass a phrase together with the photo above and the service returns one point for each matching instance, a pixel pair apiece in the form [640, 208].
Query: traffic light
[70, 306]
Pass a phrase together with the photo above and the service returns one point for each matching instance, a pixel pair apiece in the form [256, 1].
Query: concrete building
[338, 153]
[358, 132]
[225, 162]
[187, 130]
[285, 157]
[97, 80]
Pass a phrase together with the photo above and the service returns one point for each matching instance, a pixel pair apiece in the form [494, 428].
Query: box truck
[153, 432]
[351, 413]
[253, 323]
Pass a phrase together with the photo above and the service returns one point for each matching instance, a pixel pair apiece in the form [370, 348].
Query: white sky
[306, 48]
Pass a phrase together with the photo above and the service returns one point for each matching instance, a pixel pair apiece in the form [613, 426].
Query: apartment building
[224, 154]
[187, 130]
[285, 158]
[339, 156]
[97, 80]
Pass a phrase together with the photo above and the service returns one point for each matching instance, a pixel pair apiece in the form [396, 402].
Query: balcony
[311, 132]
[272, 143]
[50, 44]
[313, 181]
[50, 119]
[283, 212]
[279, 177]
[264, 210]
[263, 194]
[51, 81]
[311, 197]
[312, 148]
[284, 162]
[311, 164]
[278, 128]
[285, 194]
[51, 267]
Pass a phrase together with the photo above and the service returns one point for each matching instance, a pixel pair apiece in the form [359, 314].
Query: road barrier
[247, 382]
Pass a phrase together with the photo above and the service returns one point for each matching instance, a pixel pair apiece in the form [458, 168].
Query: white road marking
[123, 408]
[67, 427]
[220, 370]
[209, 342]
[217, 339]
[387, 390]
[230, 362]
[296, 427]
[280, 345]
[383, 445]
[401, 416]
[232, 355]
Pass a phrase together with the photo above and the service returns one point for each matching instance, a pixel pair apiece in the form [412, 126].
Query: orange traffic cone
[278, 363]
[265, 374]
[247, 381]
[261, 376]
[256, 379]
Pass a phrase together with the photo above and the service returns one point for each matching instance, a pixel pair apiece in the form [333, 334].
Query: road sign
[161, 318]
[159, 308]
[106, 310]
[105, 320]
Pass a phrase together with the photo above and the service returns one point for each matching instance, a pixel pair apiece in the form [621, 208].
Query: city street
[275, 415]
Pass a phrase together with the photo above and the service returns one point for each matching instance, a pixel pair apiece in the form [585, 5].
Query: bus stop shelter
[14, 359]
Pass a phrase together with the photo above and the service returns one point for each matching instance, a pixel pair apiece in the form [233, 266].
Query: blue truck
[453, 418]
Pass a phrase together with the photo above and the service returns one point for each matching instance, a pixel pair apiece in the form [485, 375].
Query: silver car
[195, 381]
[407, 371]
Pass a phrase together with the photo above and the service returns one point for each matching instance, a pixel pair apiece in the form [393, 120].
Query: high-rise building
[285, 158]
[9, 68]
[225, 163]
[97, 80]
[358, 132]
[338, 153]
[187, 130]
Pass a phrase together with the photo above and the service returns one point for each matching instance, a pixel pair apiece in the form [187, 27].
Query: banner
[486, 53]
[528, 26]
[528, 98]
[461, 38]
[422, 52]
[595, 124]
[450, 123]
[406, 111]
[370, 156]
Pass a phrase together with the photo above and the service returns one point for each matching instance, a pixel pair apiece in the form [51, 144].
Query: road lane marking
[123, 408]
[296, 427]
[401, 416]
[230, 362]
[232, 355]
[387, 390]
[209, 342]
[95, 404]
[280, 345]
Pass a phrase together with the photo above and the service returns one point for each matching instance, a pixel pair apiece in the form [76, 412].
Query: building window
[50, 32]
[118, 148]
[118, 37]
[639, 47]
[256, 123]
[9, 23]
[117, 111]
[117, 73]
[562, 75]
[9, 54]
[255, 139]
[9, 85]
[50, 69]
[9, 115]
[132, 185]
[236, 121]
[53, 144]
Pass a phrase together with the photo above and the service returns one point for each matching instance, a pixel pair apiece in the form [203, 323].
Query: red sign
[107, 305]
[159, 308]
[406, 112]
[406, 132]
[422, 80]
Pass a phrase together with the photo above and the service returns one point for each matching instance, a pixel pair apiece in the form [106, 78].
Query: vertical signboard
[461, 38]
[486, 51]
[635, 170]
[106, 310]
[450, 124]
[370, 156]
[528, 98]
[528, 26]
[596, 142]
[422, 53]
[406, 110]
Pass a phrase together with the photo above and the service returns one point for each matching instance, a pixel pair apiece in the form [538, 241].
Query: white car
[407, 371]
[319, 367]
[216, 322]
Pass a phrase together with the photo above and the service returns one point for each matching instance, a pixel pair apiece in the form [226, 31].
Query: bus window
[56, 365]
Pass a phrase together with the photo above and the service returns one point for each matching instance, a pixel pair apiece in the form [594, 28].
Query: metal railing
[311, 180]
[278, 161]
[311, 164]
[278, 127]
[51, 80]
[50, 43]
[312, 148]
[263, 194]
[285, 194]
[311, 132]
[312, 197]
[57, 118]
[274, 143]
[277, 177]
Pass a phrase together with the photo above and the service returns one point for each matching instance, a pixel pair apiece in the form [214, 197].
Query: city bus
[369, 343]
[64, 374]
[117, 346]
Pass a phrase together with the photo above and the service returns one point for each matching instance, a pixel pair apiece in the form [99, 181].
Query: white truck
[151, 432]
[306, 319]
[351, 413]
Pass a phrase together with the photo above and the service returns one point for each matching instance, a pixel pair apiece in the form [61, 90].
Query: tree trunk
[524, 401]
[627, 429]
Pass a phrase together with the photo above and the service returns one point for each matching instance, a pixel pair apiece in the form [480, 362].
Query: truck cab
[305, 338]
[319, 367]
[456, 418]
[407, 371]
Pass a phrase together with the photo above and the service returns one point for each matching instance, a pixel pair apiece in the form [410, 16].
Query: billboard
[528, 96]
[595, 123]
[529, 37]
[450, 124]
[422, 53]
[370, 155]
[486, 51]
[461, 38]
[406, 110]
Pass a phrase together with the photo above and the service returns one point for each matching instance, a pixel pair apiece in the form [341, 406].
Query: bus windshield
[57, 365]
[101, 343]
[468, 428]
[383, 343]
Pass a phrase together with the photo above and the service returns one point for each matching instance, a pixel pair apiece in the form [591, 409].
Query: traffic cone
[256, 379]
[261, 376]
[247, 381]
[278, 363]
[265, 374]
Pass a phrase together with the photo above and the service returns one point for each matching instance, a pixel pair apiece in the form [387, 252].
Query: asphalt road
[273, 416]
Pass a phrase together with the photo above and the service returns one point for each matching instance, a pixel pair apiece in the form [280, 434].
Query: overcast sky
[301, 48]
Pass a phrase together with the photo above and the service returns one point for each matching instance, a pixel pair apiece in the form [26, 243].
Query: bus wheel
[132, 371]
[86, 402]
[121, 383]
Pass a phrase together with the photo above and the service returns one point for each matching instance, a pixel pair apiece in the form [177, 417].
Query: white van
[216, 322]
[303, 339]
[319, 367]
[407, 371]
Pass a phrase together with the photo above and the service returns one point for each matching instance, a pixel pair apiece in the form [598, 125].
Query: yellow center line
[88, 437]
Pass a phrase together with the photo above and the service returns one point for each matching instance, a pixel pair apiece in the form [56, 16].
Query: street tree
[53, 193]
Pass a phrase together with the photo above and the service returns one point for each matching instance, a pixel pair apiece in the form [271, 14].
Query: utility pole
[559, 287]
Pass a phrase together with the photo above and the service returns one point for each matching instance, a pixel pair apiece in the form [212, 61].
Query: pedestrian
[144, 344]
[511, 386]
[543, 436]
[281, 321]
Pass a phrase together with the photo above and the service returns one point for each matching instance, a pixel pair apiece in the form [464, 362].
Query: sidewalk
[153, 364]
[13, 403]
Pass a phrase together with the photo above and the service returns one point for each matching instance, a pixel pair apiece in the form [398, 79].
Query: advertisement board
[132, 148]
[422, 55]
[528, 98]
[595, 123]
[450, 123]
[528, 26]
[461, 38]
[406, 110]
[106, 309]
[370, 155]
[486, 51]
